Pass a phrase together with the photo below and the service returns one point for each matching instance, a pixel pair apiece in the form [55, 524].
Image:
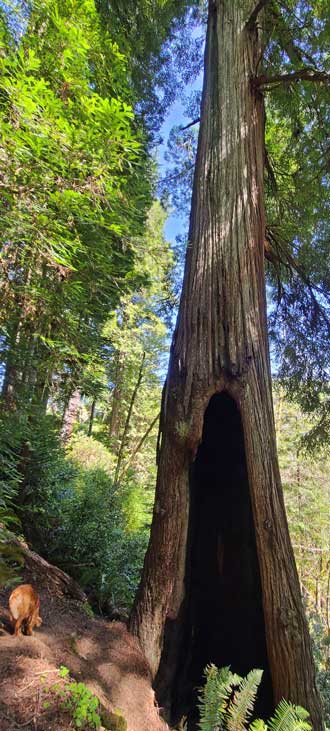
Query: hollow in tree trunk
[219, 582]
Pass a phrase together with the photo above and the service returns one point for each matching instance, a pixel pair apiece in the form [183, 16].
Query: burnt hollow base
[223, 620]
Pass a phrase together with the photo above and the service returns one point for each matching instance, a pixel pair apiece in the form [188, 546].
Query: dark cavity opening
[225, 616]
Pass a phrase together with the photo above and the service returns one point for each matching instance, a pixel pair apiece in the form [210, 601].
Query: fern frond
[214, 697]
[258, 725]
[241, 707]
[288, 717]
[301, 713]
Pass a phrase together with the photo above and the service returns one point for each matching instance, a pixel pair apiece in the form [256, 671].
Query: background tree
[163, 53]
[67, 220]
[76, 190]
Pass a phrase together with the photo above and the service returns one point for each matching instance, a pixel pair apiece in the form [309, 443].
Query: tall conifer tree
[219, 581]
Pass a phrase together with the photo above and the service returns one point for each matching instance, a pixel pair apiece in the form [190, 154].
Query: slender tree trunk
[26, 372]
[128, 420]
[11, 375]
[221, 345]
[328, 600]
[70, 415]
[115, 421]
[139, 445]
[91, 418]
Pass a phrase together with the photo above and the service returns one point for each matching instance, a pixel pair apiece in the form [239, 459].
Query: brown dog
[24, 606]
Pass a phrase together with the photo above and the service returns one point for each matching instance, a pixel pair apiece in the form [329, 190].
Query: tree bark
[123, 442]
[91, 417]
[11, 375]
[70, 415]
[115, 420]
[221, 344]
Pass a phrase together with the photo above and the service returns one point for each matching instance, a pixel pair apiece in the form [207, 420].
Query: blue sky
[175, 224]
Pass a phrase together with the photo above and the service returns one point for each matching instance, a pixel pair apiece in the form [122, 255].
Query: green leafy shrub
[30, 452]
[42, 464]
[94, 530]
[226, 703]
[10, 558]
[90, 454]
[99, 551]
[83, 705]
[11, 435]
[85, 708]
[70, 510]
[12, 432]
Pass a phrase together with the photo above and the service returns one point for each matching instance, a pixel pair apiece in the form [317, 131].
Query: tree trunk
[123, 442]
[115, 420]
[139, 445]
[219, 582]
[91, 417]
[11, 374]
[70, 415]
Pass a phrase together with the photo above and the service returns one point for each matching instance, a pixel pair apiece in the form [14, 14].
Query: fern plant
[214, 697]
[226, 703]
[242, 704]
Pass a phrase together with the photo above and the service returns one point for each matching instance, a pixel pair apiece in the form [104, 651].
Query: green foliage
[90, 454]
[289, 718]
[241, 706]
[214, 695]
[307, 499]
[10, 437]
[227, 702]
[40, 460]
[83, 706]
[136, 346]
[95, 531]
[297, 201]
[63, 671]
[320, 637]
[10, 558]
[29, 449]
[164, 54]
[76, 193]
[78, 700]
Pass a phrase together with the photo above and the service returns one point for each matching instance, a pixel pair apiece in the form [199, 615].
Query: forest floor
[99, 653]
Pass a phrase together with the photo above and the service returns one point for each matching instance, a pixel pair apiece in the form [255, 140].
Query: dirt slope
[101, 654]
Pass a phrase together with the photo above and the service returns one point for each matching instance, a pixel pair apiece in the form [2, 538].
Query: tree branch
[310, 549]
[191, 124]
[250, 23]
[182, 174]
[139, 445]
[302, 75]
[270, 172]
[288, 260]
[289, 45]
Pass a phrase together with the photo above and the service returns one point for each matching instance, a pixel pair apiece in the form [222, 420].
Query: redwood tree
[219, 582]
